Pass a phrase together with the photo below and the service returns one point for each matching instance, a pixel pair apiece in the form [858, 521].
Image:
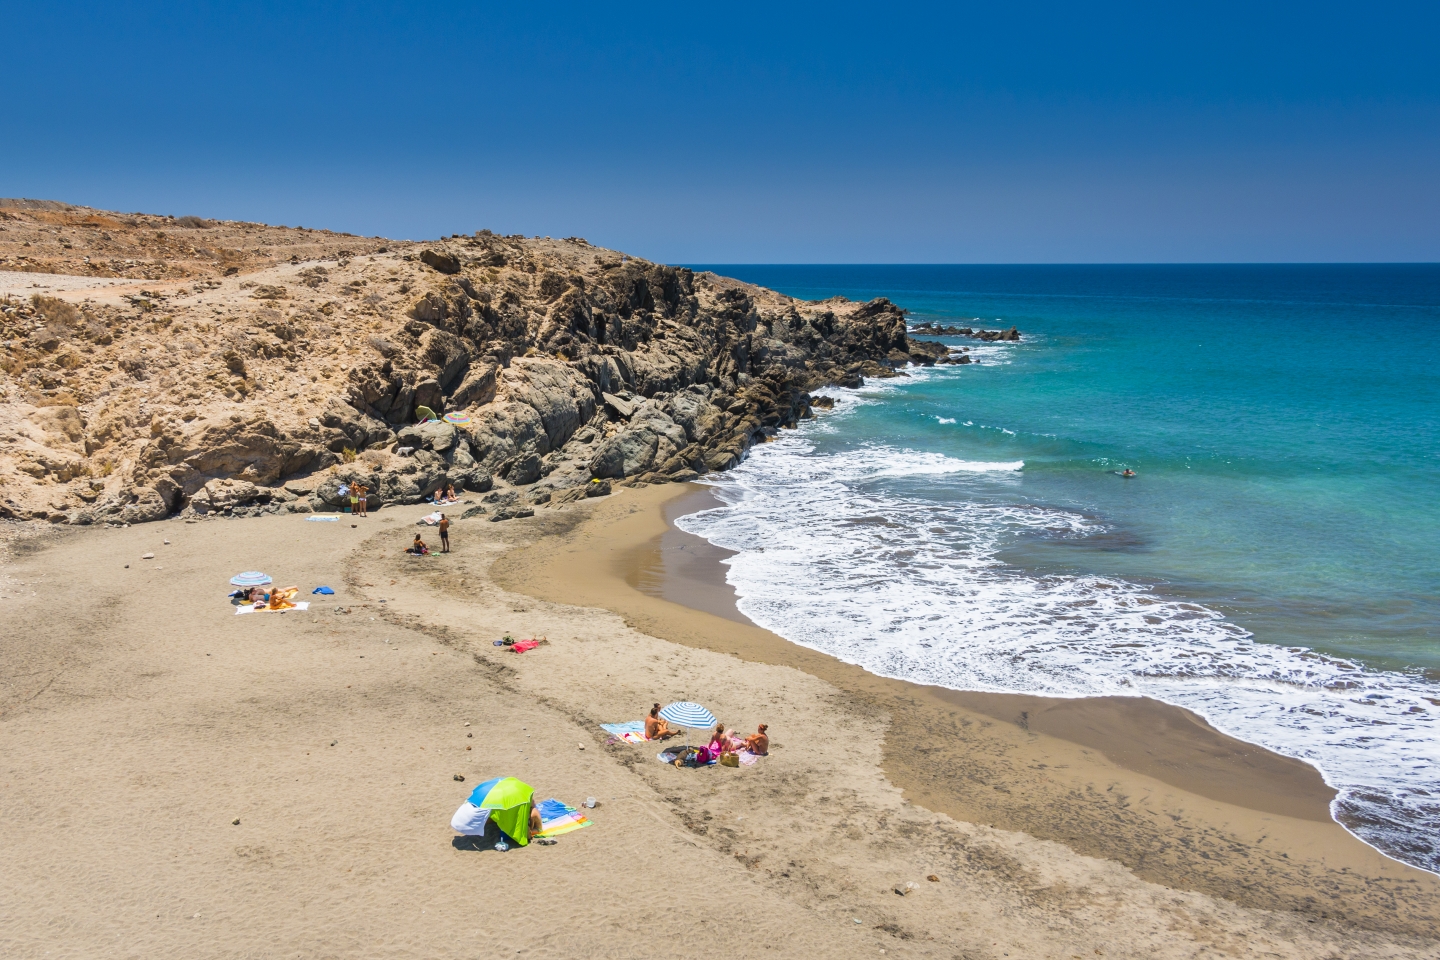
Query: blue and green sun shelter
[508, 801]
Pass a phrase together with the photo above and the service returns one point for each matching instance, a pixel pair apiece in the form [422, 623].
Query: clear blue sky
[753, 132]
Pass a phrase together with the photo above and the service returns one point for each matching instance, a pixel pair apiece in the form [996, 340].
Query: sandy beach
[140, 717]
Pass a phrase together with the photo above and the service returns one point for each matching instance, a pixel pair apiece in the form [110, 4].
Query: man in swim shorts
[444, 534]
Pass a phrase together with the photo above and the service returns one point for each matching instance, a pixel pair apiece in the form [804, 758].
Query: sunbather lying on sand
[722, 742]
[758, 742]
[656, 728]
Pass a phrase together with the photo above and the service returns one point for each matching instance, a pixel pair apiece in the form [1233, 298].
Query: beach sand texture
[140, 717]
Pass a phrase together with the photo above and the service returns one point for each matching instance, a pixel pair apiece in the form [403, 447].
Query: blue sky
[753, 132]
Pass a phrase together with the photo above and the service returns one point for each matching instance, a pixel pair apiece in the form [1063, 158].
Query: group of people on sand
[271, 597]
[721, 741]
[419, 549]
[358, 494]
[446, 495]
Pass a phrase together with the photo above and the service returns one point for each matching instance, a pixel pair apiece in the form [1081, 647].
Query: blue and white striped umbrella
[250, 578]
[687, 714]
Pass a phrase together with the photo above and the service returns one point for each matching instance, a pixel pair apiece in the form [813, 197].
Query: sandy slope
[139, 717]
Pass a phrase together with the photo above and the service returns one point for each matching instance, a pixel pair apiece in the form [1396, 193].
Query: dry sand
[139, 717]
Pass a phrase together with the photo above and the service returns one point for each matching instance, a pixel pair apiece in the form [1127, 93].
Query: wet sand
[1149, 785]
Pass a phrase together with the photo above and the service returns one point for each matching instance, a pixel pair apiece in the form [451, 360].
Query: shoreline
[1149, 785]
[286, 782]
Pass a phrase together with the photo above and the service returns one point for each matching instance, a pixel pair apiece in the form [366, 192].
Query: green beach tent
[508, 801]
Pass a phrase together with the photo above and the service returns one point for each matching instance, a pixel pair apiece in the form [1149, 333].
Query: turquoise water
[1275, 564]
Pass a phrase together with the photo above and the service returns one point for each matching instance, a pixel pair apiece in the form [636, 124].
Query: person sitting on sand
[281, 598]
[721, 742]
[418, 548]
[758, 742]
[450, 493]
[656, 728]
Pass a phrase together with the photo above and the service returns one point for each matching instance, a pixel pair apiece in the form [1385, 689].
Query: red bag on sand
[524, 645]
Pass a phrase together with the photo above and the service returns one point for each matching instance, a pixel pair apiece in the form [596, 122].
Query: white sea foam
[913, 589]
[939, 419]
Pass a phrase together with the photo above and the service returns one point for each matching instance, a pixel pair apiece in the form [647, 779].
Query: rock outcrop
[561, 364]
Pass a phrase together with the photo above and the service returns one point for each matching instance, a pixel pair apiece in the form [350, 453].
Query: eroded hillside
[155, 365]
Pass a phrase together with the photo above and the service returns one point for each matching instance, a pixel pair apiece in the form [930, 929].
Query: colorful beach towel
[557, 817]
[245, 608]
[632, 731]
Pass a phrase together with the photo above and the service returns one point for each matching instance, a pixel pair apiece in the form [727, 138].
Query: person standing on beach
[361, 491]
[444, 534]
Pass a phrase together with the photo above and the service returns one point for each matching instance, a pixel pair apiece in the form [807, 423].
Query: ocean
[1274, 565]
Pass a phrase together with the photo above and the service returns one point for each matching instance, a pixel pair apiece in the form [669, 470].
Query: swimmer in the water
[1127, 472]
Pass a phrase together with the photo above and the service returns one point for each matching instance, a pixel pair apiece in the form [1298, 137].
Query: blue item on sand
[325, 590]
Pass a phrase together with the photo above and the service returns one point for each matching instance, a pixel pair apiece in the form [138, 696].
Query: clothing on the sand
[524, 645]
[323, 518]
[328, 591]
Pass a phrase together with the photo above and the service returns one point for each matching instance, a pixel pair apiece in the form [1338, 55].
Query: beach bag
[729, 759]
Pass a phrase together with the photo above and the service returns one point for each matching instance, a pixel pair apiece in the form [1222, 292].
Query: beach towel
[431, 518]
[632, 731]
[524, 645]
[747, 758]
[327, 591]
[319, 518]
[248, 608]
[557, 817]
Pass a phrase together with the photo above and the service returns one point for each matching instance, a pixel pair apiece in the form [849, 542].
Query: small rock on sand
[147, 556]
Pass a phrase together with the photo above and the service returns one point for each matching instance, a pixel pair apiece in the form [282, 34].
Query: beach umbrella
[250, 578]
[686, 714]
[508, 801]
[457, 418]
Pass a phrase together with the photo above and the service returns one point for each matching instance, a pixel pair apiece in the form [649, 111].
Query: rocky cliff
[155, 365]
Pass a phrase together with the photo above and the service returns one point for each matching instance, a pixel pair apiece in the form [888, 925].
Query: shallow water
[1273, 566]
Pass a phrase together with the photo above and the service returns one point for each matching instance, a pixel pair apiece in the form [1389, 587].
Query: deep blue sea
[1274, 565]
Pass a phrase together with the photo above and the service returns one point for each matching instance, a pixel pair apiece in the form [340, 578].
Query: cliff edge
[155, 365]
